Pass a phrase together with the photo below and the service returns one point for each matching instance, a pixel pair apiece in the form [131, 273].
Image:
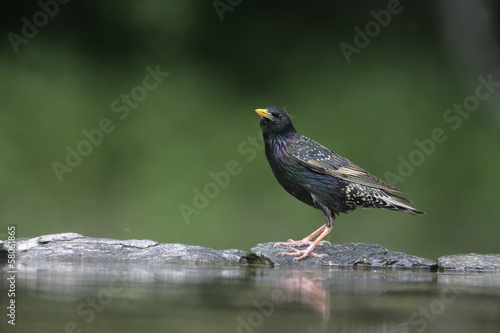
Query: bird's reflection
[243, 298]
[307, 290]
[345, 298]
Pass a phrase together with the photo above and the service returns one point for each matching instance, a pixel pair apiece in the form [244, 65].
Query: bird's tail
[369, 197]
[395, 202]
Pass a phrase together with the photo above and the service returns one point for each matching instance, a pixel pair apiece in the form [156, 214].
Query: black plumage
[321, 178]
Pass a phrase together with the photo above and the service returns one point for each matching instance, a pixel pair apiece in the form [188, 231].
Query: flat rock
[71, 246]
[76, 247]
[470, 262]
[338, 255]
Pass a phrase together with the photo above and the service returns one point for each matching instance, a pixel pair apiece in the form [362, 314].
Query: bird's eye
[277, 115]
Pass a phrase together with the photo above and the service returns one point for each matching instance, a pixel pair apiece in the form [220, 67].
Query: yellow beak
[263, 113]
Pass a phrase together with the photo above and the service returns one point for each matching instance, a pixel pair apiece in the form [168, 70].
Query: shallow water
[141, 297]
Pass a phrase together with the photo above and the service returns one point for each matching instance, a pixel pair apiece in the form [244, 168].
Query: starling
[320, 178]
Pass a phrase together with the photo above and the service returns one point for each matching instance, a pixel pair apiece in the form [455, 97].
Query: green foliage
[193, 123]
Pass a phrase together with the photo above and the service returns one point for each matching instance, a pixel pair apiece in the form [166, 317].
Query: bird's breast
[291, 175]
[313, 188]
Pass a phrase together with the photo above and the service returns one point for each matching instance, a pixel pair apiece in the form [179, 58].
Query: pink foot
[301, 254]
[306, 241]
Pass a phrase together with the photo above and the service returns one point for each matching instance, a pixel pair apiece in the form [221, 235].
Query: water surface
[141, 297]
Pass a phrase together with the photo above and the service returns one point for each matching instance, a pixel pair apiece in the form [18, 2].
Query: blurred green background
[225, 59]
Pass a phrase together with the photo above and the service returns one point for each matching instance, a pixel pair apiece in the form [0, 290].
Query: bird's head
[275, 121]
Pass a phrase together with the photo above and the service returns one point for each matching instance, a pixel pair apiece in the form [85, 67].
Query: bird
[321, 178]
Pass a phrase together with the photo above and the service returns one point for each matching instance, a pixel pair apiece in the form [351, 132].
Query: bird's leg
[325, 230]
[301, 254]
[306, 241]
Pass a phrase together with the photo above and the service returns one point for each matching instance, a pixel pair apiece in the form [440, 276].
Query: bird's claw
[291, 243]
[287, 243]
[302, 254]
[284, 254]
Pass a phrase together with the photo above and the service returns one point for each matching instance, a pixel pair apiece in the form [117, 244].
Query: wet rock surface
[71, 246]
[76, 247]
[470, 262]
[338, 255]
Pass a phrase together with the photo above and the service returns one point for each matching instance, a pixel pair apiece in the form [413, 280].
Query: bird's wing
[321, 159]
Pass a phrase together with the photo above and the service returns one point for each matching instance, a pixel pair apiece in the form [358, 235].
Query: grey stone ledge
[76, 247]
